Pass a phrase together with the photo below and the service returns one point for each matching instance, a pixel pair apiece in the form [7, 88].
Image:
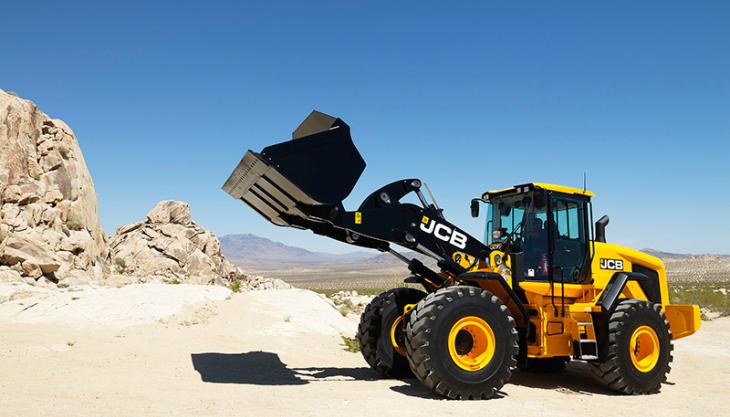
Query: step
[591, 346]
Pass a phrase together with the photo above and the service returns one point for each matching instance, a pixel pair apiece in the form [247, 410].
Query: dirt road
[279, 353]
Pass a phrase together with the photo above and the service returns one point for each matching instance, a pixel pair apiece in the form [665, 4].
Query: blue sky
[166, 98]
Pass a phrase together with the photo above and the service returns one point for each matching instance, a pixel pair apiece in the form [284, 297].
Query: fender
[609, 298]
[478, 276]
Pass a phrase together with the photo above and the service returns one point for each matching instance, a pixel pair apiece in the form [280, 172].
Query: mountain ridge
[251, 249]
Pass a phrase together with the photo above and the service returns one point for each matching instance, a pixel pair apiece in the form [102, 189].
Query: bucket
[301, 178]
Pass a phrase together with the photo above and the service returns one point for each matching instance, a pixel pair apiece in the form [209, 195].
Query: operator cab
[544, 228]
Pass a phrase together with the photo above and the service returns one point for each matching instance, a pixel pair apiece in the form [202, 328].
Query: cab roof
[526, 187]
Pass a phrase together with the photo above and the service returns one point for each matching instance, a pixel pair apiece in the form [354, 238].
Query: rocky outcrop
[168, 245]
[49, 223]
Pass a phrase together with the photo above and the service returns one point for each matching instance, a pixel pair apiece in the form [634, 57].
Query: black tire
[427, 340]
[618, 371]
[374, 331]
[544, 365]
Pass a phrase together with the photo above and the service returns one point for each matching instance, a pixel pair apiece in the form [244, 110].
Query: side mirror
[474, 207]
[601, 229]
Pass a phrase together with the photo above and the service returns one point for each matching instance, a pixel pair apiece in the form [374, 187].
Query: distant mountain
[387, 259]
[669, 256]
[249, 249]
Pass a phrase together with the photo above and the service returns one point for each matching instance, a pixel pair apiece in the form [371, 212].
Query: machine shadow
[266, 368]
[575, 378]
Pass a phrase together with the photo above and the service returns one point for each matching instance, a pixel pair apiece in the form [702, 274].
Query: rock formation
[168, 245]
[49, 223]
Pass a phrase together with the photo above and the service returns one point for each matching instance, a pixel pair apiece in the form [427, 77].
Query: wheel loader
[544, 287]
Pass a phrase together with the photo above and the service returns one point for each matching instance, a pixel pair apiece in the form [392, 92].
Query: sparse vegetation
[74, 221]
[351, 344]
[173, 281]
[119, 265]
[236, 284]
[713, 296]
[348, 307]
[362, 289]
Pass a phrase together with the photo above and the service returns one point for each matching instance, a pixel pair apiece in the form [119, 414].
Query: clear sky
[166, 98]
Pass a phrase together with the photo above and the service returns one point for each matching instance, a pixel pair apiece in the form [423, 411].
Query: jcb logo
[612, 264]
[443, 232]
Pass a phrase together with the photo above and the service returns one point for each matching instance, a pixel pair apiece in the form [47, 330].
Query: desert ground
[187, 350]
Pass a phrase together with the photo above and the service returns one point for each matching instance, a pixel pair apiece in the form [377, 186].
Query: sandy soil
[273, 353]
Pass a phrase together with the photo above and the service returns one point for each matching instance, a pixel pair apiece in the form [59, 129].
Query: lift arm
[301, 183]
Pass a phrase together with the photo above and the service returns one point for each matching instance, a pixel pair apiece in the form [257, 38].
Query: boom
[301, 183]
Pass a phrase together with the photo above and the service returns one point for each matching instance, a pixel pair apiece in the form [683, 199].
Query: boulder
[35, 257]
[9, 275]
[170, 246]
[169, 211]
[46, 191]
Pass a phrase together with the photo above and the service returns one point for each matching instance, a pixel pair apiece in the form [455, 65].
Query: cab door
[568, 237]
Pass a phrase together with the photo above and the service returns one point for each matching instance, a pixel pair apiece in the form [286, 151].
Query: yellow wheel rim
[396, 330]
[471, 343]
[644, 349]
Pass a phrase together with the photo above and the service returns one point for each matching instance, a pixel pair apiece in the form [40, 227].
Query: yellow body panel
[556, 330]
[629, 257]
[545, 186]
[683, 319]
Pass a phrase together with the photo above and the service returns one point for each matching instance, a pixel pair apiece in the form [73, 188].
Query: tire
[544, 365]
[374, 332]
[455, 363]
[630, 326]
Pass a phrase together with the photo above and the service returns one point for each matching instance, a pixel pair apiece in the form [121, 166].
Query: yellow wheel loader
[544, 288]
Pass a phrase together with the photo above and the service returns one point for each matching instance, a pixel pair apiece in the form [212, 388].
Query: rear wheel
[381, 332]
[462, 343]
[639, 349]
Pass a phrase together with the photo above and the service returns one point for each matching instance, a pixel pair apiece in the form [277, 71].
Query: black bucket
[318, 167]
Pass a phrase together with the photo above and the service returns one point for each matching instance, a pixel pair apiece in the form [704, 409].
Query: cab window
[570, 238]
[567, 219]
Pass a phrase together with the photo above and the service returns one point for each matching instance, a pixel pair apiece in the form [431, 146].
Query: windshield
[516, 216]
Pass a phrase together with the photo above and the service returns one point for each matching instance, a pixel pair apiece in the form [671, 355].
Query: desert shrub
[235, 285]
[350, 343]
[74, 221]
[120, 266]
[172, 281]
[348, 307]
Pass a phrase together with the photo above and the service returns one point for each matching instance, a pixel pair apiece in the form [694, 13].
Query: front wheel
[462, 343]
[639, 349]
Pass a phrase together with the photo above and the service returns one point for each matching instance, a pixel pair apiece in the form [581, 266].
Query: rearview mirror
[475, 207]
